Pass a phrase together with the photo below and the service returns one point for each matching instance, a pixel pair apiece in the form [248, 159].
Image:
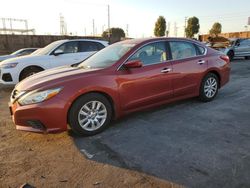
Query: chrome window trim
[166, 40]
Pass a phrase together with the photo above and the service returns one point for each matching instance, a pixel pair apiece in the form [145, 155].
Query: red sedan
[125, 77]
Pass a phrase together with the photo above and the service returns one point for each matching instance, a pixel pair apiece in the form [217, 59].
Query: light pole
[185, 26]
[109, 34]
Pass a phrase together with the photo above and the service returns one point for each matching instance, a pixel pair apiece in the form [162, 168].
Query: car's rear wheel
[209, 87]
[29, 71]
[90, 114]
[230, 54]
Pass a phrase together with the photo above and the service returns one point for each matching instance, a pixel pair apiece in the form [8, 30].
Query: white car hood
[22, 59]
[3, 57]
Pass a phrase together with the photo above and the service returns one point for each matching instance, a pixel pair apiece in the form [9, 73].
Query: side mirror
[133, 64]
[58, 52]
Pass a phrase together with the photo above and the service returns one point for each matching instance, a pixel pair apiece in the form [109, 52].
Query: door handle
[201, 62]
[166, 70]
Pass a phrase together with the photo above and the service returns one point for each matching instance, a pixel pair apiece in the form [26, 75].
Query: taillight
[225, 58]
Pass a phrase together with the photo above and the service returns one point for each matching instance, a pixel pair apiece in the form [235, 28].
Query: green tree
[193, 27]
[216, 29]
[160, 27]
[113, 34]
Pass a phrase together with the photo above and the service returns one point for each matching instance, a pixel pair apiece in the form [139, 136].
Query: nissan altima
[125, 77]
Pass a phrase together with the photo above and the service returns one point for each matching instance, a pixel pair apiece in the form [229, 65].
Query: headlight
[38, 96]
[9, 65]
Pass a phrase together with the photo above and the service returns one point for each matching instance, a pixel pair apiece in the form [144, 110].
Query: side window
[88, 46]
[245, 42]
[201, 50]
[100, 46]
[151, 54]
[25, 52]
[182, 50]
[69, 47]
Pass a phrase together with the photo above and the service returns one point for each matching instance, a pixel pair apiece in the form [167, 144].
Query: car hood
[3, 57]
[21, 59]
[52, 77]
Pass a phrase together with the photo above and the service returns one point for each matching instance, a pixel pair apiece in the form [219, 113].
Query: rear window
[89, 46]
[201, 50]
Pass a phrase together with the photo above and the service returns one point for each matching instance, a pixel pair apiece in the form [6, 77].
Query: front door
[69, 55]
[150, 84]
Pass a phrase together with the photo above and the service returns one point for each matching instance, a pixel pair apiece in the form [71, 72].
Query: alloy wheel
[210, 87]
[92, 115]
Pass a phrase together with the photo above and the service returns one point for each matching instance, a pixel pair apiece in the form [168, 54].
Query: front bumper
[8, 77]
[46, 117]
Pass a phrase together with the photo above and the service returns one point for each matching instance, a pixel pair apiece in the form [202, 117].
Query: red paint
[129, 89]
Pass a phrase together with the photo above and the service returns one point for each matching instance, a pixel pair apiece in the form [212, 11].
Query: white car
[59, 53]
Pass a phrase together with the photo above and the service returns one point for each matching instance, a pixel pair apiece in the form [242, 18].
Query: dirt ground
[52, 160]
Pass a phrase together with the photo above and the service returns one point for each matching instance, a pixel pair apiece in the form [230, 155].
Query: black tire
[247, 57]
[29, 71]
[74, 115]
[230, 54]
[204, 95]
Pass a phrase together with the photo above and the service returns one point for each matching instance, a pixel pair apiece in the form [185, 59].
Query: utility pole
[169, 27]
[63, 26]
[185, 26]
[127, 30]
[168, 30]
[93, 27]
[175, 29]
[85, 31]
[109, 34]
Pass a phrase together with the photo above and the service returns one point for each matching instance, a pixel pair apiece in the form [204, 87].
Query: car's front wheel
[29, 71]
[90, 114]
[209, 87]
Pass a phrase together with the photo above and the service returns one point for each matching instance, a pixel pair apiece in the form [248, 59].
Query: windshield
[108, 56]
[47, 49]
[17, 52]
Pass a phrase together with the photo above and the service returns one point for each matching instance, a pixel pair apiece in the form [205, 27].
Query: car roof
[90, 40]
[142, 40]
[29, 48]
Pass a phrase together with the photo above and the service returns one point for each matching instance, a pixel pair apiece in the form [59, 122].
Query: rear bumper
[225, 76]
[46, 117]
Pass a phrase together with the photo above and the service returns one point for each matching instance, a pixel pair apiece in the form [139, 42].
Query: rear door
[189, 64]
[150, 84]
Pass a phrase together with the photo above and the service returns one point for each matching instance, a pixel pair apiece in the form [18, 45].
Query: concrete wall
[244, 34]
[11, 43]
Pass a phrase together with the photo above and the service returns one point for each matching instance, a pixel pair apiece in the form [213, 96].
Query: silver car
[18, 53]
[238, 48]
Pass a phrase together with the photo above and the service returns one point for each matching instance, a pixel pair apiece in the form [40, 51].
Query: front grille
[36, 124]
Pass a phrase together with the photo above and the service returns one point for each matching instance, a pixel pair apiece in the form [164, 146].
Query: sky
[137, 18]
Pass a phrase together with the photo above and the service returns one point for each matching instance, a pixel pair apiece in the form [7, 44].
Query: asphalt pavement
[191, 143]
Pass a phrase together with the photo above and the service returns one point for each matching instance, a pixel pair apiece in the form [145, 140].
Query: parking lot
[187, 143]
